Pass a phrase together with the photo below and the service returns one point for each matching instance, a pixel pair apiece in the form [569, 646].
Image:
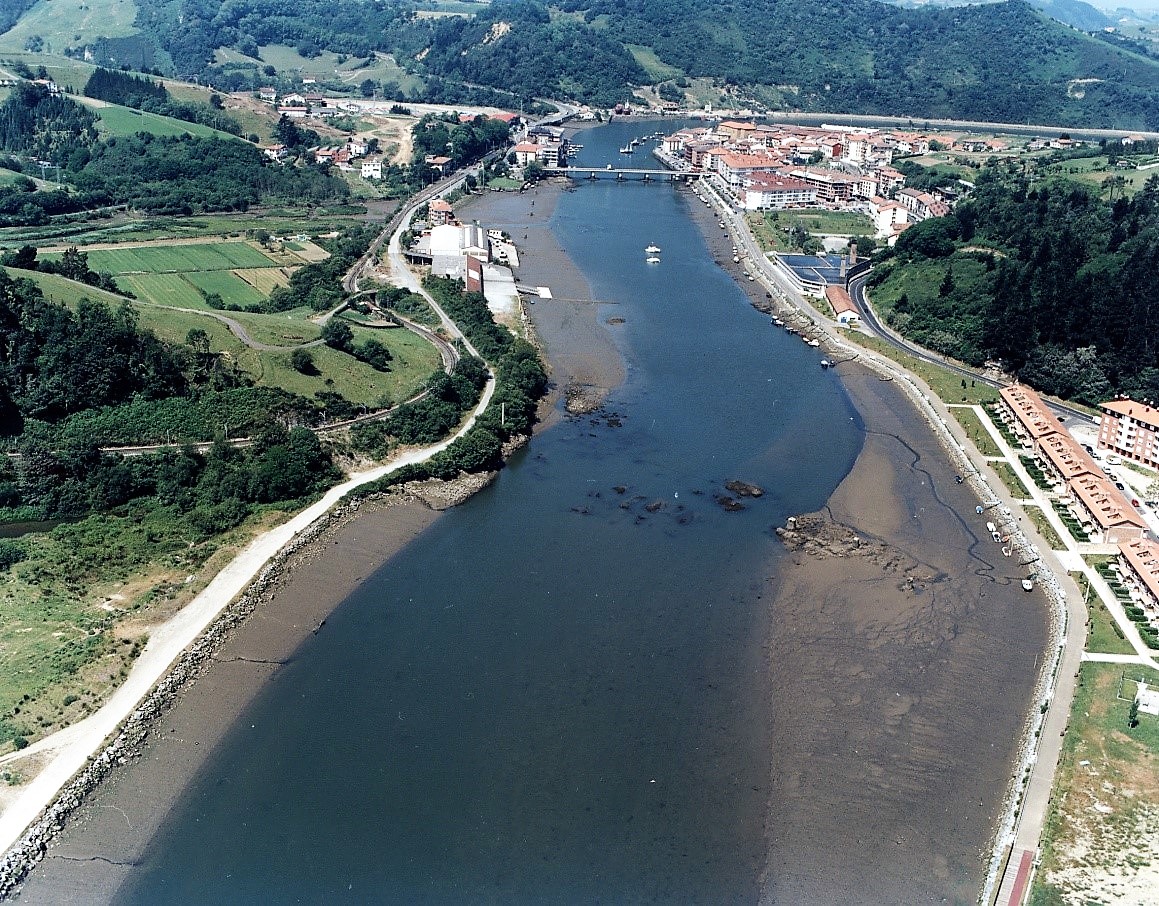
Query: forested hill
[1046, 276]
[998, 61]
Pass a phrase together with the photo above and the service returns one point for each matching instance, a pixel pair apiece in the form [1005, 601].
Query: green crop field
[163, 289]
[161, 259]
[263, 279]
[226, 284]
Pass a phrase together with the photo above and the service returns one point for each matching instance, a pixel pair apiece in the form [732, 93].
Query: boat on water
[652, 259]
[778, 322]
[1028, 585]
[627, 149]
[653, 250]
[825, 363]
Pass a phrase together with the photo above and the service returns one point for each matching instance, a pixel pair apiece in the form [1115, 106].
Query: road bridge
[620, 174]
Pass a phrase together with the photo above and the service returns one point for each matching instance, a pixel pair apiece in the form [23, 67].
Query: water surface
[559, 693]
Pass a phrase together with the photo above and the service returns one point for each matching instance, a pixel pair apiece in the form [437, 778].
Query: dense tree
[1064, 299]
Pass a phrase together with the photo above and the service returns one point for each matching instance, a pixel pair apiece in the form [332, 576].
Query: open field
[844, 223]
[228, 285]
[414, 358]
[1103, 634]
[160, 259]
[122, 227]
[1101, 841]
[656, 68]
[179, 274]
[77, 610]
[977, 433]
[68, 23]
[943, 382]
[1010, 479]
[116, 120]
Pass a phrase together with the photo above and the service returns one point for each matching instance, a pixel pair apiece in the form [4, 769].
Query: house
[274, 152]
[372, 169]
[440, 212]
[732, 168]
[831, 185]
[439, 162]
[1105, 514]
[1130, 430]
[525, 153]
[843, 308]
[1027, 414]
[735, 130]
[1139, 565]
[268, 94]
[886, 216]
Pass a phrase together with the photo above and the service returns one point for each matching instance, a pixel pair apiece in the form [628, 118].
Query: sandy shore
[583, 359]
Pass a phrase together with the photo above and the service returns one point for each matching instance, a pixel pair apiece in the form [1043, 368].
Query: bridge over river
[646, 174]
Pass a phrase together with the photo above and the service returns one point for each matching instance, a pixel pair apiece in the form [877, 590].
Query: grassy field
[1104, 815]
[77, 611]
[1010, 479]
[1045, 529]
[69, 23]
[414, 358]
[179, 274]
[228, 285]
[842, 223]
[943, 382]
[656, 68]
[114, 120]
[977, 432]
[1103, 635]
[1095, 170]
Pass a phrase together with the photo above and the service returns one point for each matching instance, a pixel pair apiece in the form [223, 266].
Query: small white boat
[825, 363]
[653, 250]
[814, 343]
[652, 259]
[778, 322]
[627, 149]
[1028, 585]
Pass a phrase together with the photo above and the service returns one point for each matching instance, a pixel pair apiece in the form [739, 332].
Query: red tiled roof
[1141, 412]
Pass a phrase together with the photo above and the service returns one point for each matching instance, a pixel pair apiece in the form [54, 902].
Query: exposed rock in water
[729, 504]
[581, 399]
[654, 506]
[744, 489]
[616, 320]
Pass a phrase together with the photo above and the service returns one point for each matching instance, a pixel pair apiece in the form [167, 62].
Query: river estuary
[566, 690]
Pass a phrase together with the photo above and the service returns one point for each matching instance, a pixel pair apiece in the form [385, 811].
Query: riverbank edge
[27, 843]
[970, 463]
